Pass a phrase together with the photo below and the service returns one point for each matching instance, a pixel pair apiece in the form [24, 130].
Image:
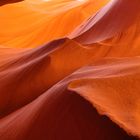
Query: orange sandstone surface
[69, 70]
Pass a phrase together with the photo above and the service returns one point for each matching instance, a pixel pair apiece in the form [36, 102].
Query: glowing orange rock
[70, 70]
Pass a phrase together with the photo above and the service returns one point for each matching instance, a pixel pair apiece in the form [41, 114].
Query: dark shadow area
[3, 2]
[70, 117]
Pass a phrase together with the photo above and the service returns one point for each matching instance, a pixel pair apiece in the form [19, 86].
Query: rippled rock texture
[70, 70]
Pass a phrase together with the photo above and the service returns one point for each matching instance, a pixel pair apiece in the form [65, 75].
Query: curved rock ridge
[103, 25]
[38, 22]
[69, 70]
